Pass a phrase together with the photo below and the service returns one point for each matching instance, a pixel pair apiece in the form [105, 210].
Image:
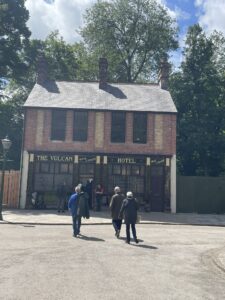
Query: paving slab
[52, 217]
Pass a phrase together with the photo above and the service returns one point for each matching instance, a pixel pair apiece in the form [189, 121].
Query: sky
[66, 17]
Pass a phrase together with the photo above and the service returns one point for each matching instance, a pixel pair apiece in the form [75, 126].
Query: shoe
[127, 242]
[62, 210]
[136, 241]
[74, 235]
[118, 233]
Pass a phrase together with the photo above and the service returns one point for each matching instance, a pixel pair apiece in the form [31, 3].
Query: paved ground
[171, 261]
[52, 217]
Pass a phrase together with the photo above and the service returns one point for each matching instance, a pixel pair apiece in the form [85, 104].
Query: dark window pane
[44, 168]
[64, 168]
[140, 128]
[58, 125]
[80, 126]
[116, 169]
[118, 127]
[51, 168]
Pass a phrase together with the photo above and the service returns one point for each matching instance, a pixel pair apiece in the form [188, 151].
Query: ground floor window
[147, 177]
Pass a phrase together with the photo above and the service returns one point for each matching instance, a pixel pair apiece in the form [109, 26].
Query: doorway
[157, 188]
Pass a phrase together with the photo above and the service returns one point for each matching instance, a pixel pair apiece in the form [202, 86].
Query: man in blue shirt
[72, 206]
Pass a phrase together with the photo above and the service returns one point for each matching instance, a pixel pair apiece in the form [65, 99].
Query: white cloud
[62, 15]
[65, 16]
[181, 14]
[211, 14]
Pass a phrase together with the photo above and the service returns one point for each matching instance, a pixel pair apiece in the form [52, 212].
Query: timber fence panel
[11, 188]
[200, 194]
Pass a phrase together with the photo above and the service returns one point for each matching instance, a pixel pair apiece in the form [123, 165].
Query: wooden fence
[11, 188]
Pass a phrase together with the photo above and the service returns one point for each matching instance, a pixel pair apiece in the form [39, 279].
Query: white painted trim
[173, 200]
[24, 177]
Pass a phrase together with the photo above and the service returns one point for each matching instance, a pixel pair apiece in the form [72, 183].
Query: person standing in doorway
[98, 197]
[61, 194]
[129, 212]
[72, 207]
[82, 208]
[115, 206]
[88, 189]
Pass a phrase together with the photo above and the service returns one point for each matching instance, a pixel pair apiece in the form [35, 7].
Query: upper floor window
[118, 127]
[58, 125]
[140, 128]
[80, 126]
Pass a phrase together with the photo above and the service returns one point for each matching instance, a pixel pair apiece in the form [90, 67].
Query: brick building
[115, 134]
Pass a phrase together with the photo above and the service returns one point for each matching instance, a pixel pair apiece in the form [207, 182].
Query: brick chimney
[164, 74]
[42, 69]
[103, 66]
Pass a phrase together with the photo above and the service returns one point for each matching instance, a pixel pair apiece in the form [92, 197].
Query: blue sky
[66, 16]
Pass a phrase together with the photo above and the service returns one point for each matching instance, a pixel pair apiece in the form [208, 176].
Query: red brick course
[169, 135]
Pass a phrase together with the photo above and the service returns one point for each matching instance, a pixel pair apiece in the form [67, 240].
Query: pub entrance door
[86, 172]
[157, 188]
[128, 177]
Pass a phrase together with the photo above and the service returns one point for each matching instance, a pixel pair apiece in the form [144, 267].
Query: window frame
[80, 134]
[140, 127]
[118, 127]
[58, 129]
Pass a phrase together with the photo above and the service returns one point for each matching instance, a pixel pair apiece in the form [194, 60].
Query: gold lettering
[125, 160]
[42, 157]
[61, 158]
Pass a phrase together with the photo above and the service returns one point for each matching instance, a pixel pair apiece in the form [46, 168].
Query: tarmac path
[171, 262]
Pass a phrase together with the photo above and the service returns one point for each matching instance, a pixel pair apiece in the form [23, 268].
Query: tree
[199, 94]
[61, 58]
[14, 36]
[11, 121]
[133, 34]
[62, 66]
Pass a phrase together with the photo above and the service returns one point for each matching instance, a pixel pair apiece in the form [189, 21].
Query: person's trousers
[76, 224]
[98, 203]
[133, 231]
[117, 224]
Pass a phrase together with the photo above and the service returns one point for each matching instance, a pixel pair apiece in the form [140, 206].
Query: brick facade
[161, 134]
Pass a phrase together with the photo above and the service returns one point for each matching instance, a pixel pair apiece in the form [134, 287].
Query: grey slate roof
[87, 95]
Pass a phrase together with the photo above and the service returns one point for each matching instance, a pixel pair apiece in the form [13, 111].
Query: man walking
[129, 211]
[115, 206]
[82, 208]
[72, 206]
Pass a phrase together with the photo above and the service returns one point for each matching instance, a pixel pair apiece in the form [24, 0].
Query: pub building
[110, 133]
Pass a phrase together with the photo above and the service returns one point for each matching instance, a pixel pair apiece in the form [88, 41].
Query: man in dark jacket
[129, 211]
[115, 206]
[83, 207]
[73, 206]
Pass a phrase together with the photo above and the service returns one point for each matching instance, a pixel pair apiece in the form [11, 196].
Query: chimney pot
[42, 70]
[103, 67]
[164, 74]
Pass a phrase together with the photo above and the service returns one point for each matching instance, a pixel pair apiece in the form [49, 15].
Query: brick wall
[161, 134]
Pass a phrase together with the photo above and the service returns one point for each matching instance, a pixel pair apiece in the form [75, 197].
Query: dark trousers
[98, 203]
[133, 231]
[75, 229]
[76, 224]
[117, 224]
